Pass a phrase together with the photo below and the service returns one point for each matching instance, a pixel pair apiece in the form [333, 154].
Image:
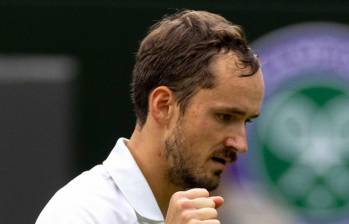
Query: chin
[212, 182]
[212, 186]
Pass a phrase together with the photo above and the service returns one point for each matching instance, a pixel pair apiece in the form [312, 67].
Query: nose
[237, 142]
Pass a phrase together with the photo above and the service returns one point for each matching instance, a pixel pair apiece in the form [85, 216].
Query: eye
[226, 118]
[248, 121]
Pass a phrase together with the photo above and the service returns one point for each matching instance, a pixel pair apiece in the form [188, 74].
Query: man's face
[213, 128]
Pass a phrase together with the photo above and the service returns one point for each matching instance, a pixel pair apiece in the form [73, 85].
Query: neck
[147, 150]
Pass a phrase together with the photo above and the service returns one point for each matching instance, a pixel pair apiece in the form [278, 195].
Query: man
[195, 85]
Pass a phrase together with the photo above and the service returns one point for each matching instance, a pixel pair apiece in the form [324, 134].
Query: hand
[193, 206]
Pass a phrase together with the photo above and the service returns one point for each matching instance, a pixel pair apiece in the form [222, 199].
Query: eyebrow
[234, 110]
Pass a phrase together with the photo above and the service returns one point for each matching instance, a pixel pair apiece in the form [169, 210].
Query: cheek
[209, 130]
[201, 132]
[201, 138]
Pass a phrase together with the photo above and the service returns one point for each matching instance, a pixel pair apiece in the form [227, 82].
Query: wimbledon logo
[301, 141]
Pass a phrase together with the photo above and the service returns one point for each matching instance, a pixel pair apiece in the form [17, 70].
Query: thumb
[218, 200]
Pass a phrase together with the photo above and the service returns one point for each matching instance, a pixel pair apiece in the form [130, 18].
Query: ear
[161, 104]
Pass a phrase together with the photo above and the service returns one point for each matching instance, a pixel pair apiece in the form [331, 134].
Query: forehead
[227, 69]
[231, 89]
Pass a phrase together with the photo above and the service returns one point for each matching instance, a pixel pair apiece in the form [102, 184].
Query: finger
[218, 200]
[211, 221]
[206, 214]
[203, 203]
[196, 193]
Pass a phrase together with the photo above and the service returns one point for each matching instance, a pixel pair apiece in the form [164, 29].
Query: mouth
[223, 157]
[219, 160]
[231, 158]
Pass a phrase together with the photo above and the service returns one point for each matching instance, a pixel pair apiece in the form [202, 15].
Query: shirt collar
[131, 182]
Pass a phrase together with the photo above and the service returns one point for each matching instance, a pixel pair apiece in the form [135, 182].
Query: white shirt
[114, 192]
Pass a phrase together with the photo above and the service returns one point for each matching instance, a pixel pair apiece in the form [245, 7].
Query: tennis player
[196, 84]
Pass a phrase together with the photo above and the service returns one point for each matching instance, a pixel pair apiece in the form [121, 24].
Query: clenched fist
[193, 206]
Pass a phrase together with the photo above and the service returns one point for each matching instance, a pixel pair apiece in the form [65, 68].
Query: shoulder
[90, 198]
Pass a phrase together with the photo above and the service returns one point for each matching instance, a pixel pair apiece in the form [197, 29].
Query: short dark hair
[177, 51]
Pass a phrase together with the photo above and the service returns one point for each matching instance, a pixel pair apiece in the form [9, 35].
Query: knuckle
[177, 195]
[204, 191]
[182, 203]
[211, 203]
[210, 213]
[214, 221]
[194, 221]
[186, 216]
[207, 202]
[198, 191]
[214, 213]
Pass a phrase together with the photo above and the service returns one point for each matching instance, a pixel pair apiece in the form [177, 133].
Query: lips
[225, 158]
[219, 160]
